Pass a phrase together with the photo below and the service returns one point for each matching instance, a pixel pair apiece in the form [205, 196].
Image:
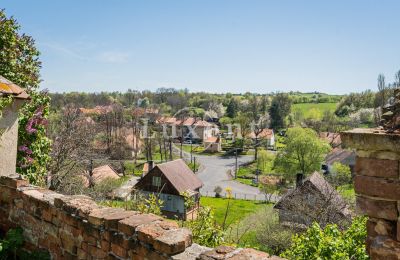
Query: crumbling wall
[377, 186]
[75, 227]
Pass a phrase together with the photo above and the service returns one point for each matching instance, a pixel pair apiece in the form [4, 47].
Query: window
[156, 181]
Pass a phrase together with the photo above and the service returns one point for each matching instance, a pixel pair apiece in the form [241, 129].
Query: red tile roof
[265, 133]
[9, 88]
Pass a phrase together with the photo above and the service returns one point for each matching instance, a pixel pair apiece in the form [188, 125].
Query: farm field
[312, 110]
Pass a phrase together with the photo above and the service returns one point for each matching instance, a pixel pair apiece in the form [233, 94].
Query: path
[213, 173]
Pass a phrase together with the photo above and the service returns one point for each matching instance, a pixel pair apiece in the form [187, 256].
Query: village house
[169, 181]
[193, 129]
[9, 125]
[313, 199]
[99, 174]
[266, 138]
[213, 144]
[339, 155]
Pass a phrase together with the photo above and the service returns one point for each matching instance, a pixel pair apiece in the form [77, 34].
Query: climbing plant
[19, 63]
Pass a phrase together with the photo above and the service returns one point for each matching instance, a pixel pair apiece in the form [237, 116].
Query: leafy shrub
[204, 229]
[10, 247]
[330, 242]
[271, 234]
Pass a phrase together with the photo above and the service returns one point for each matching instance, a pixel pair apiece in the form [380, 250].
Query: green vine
[4, 102]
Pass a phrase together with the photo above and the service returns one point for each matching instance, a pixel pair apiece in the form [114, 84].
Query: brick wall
[75, 227]
[377, 185]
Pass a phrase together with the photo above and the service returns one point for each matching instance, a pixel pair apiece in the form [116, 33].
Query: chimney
[299, 179]
[150, 165]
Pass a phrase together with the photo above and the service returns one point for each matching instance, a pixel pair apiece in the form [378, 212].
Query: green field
[238, 208]
[313, 110]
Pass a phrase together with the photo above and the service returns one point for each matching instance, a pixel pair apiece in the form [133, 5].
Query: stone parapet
[75, 227]
[377, 187]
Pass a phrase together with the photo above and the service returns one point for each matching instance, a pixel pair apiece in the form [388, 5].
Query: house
[346, 157]
[266, 137]
[9, 125]
[191, 128]
[314, 199]
[169, 180]
[213, 144]
[99, 174]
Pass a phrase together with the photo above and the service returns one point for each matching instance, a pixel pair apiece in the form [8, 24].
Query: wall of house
[9, 138]
[377, 187]
[75, 227]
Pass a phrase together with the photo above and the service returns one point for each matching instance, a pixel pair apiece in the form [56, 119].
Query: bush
[330, 242]
[272, 235]
[204, 229]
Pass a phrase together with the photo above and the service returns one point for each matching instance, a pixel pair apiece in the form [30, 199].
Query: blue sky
[217, 46]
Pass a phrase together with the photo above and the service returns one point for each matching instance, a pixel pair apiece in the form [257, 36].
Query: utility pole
[191, 151]
[194, 165]
[236, 162]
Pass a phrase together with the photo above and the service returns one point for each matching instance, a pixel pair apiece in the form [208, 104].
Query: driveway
[214, 172]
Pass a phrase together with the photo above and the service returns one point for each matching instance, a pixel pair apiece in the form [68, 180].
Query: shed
[313, 200]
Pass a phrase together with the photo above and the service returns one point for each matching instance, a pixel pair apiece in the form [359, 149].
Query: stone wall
[9, 137]
[377, 185]
[75, 227]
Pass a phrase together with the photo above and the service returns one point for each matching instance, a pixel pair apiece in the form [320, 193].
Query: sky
[215, 46]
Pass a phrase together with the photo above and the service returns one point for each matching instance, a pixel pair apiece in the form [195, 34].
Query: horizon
[214, 47]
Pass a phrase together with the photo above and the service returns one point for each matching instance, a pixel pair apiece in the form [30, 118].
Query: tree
[339, 175]
[279, 110]
[232, 108]
[19, 62]
[304, 152]
[330, 242]
[382, 89]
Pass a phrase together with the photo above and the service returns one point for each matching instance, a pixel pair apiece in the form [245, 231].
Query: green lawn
[238, 208]
[313, 110]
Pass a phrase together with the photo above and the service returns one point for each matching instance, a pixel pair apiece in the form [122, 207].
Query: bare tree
[72, 135]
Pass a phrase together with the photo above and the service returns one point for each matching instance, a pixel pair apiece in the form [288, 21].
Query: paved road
[213, 173]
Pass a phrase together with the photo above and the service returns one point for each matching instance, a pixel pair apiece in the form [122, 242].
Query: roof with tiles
[9, 88]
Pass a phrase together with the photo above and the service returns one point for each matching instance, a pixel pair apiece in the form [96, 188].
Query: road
[214, 172]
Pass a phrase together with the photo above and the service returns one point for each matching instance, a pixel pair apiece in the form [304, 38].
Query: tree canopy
[303, 153]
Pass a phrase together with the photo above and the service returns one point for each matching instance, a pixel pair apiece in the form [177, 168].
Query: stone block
[380, 227]
[173, 241]
[377, 167]
[128, 225]
[377, 187]
[377, 208]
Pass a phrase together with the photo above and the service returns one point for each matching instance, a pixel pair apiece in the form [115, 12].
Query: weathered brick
[118, 250]
[384, 248]
[13, 182]
[173, 241]
[380, 227]
[377, 167]
[129, 225]
[96, 253]
[377, 208]
[377, 187]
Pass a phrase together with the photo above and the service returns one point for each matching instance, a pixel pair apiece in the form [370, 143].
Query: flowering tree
[19, 62]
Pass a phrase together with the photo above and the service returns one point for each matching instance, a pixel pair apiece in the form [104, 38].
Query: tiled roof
[342, 156]
[265, 133]
[9, 88]
[100, 174]
[212, 139]
[180, 175]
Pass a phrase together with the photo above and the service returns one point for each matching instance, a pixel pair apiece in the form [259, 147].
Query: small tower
[9, 125]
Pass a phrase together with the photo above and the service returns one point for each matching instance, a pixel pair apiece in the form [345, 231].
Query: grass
[238, 208]
[313, 110]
